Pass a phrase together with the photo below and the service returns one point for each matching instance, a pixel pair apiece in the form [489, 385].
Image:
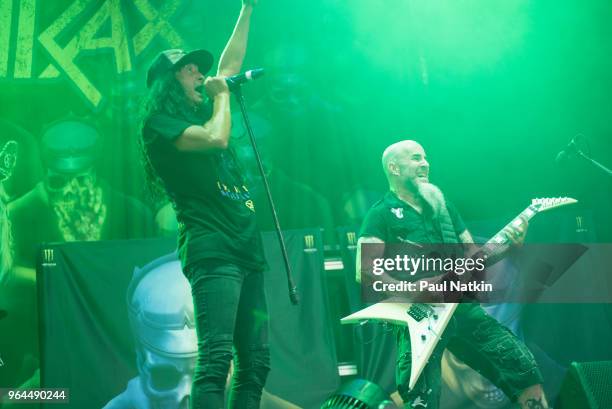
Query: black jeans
[230, 310]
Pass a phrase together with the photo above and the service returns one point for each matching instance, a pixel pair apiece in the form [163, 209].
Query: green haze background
[493, 90]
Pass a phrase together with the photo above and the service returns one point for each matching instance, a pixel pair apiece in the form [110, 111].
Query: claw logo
[309, 243]
[398, 212]
[48, 258]
[84, 26]
[351, 238]
[580, 228]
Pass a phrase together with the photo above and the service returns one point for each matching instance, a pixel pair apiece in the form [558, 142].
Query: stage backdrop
[87, 342]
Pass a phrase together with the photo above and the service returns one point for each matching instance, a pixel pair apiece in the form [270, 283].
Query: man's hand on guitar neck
[516, 232]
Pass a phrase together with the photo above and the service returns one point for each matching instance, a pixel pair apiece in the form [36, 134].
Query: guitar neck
[500, 236]
[498, 244]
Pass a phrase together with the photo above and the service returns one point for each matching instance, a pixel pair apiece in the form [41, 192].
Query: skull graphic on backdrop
[74, 201]
[73, 191]
[8, 159]
[161, 316]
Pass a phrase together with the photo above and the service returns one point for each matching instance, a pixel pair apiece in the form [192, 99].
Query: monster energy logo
[76, 31]
[309, 242]
[580, 225]
[351, 239]
[48, 258]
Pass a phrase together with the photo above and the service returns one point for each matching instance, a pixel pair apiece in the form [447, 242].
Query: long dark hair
[166, 95]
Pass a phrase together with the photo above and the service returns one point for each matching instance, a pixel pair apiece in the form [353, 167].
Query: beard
[5, 238]
[433, 196]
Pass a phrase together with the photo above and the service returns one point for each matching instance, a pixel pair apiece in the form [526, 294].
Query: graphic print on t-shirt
[229, 166]
[236, 193]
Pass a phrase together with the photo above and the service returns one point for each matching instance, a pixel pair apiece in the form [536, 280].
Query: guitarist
[416, 211]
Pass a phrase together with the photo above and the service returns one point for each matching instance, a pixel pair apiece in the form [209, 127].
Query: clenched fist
[215, 86]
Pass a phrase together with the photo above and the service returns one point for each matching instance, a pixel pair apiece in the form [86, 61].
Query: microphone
[569, 150]
[237, 80]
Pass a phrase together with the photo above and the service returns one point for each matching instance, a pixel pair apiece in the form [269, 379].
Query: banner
[88, 339]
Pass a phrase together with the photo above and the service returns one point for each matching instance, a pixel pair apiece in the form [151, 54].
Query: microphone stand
[593, 162]
[293, 294]
[573, 149]
[608, 172]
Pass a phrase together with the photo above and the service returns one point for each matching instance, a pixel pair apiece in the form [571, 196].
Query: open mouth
[199, 90]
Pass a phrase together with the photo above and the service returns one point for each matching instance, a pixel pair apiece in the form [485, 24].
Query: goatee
[433, 196]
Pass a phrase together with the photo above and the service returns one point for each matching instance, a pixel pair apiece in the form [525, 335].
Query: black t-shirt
[394, 221]
[214, 209]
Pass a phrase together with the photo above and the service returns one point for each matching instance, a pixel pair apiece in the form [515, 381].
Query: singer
[189, 157]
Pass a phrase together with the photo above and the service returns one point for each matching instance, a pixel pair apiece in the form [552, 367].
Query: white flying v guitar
[427, 322]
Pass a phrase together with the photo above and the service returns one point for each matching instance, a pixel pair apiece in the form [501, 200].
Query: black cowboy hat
[176, 58]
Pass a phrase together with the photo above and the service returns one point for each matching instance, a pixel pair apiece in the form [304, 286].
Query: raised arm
[231, 59]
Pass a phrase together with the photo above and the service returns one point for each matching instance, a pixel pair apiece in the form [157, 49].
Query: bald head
[407, 170]
[398, 151]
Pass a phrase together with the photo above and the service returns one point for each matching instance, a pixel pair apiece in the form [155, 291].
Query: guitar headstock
[547, 203]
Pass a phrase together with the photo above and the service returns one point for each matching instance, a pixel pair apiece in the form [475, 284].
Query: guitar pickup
[419, 311]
